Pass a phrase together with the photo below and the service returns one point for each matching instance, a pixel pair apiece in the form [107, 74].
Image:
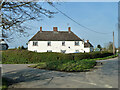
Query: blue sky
[99, 16]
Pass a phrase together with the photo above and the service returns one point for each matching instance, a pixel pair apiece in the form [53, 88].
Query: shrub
[70, 66]
[19, 56]
[19, 47]
[22, 47]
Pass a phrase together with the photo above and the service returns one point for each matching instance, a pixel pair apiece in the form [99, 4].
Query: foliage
[19, 56]
[41, 65]
[55, 61]
[4, 84]
[22, 47]
[19, 47]
[15, 14]
[99, 46]
[67, 65]
[71, 65]
[119, 50]
[109, 47]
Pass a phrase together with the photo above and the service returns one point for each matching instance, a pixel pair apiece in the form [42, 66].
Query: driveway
[105, 76]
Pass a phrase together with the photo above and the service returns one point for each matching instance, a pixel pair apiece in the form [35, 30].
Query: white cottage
[58, 41]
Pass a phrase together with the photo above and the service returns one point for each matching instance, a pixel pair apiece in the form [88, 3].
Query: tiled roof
[55, 36]
[88, 44]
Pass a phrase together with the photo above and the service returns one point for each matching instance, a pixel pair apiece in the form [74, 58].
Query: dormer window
[35, 43]
[76, 43]
[49, 43]
[63, 43]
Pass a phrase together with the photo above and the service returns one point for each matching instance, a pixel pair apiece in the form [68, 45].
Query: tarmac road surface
[105, 76]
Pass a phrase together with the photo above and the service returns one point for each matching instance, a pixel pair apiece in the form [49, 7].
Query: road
[105, 76]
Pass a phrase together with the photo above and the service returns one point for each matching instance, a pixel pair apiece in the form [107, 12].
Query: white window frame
[63, 43]
[35, 43]
[77, 44]
[49, 43]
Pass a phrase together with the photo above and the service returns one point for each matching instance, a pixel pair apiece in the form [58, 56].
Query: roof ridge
[57, 31]
[60, 36]
[76, 36]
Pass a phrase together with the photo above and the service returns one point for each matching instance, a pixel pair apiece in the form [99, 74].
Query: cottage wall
[88, 49]
[56, 46]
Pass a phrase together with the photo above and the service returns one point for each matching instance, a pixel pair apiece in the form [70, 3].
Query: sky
[98, 16]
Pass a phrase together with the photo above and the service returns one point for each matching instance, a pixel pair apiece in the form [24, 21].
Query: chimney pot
[87, 41]
[55, 29]
[69, 29]
[40, 29]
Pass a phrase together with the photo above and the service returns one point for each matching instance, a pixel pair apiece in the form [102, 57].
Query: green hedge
[71, 66]
[66, 65]
[24, 56]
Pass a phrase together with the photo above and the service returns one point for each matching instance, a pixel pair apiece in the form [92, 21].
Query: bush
[20, 48]
[20, 56]
[68, 65]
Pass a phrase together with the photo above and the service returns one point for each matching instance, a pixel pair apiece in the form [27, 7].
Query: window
[35, 43]
[63, 43]
[49, 43]
[76, 43]
[49, 50]
[63, 51]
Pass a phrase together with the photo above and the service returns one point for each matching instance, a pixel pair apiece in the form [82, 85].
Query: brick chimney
[55, 29]
[40, 29]
[69, 29]
[87, 41]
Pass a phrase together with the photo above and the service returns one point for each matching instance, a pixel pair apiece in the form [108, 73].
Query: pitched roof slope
[55, 36]
[88, 44]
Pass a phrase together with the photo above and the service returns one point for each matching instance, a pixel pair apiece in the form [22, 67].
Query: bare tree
[109, 47]
[14, 14]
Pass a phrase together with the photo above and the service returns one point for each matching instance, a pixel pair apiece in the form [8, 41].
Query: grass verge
[67, 65]
[4, 84]
[70, 65]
